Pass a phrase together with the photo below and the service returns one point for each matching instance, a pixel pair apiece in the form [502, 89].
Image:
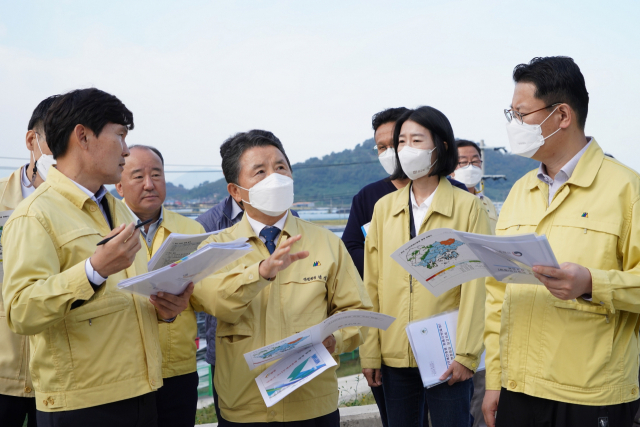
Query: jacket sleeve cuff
[601, 291]
[493, 381]
[468, 362]
[370, 362]
[339, 342]
[78, 283]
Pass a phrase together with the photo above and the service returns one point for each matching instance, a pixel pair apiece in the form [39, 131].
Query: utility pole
[483, 148]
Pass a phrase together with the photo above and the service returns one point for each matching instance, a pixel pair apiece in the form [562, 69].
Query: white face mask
[469, 175]
[416, 163]
[272, 196]
[526, 139]
[388, 160]
[44, 162]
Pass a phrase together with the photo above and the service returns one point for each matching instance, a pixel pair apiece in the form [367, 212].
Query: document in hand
[4, 217]
[433, 342]
[194, 267]
[303, 357]
[177, 246]
[443, 258]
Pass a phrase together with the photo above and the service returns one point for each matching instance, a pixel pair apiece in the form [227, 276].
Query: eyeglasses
[511, 113]
[476, 163]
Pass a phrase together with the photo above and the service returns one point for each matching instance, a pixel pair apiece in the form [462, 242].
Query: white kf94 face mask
[525, 139]
[44, 162]
[416, 163]
[388, 160]
[469, 175]
[272, 196]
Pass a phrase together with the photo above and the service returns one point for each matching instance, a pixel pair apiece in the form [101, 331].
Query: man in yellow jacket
[16, 390]
[297, 275]
[566, 353]
[95, 351]
[144, 189]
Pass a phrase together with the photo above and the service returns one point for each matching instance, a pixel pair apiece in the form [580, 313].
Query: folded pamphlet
[433, 343]
[175, 277]
[443, 258]
[303, 356]
[175, 247]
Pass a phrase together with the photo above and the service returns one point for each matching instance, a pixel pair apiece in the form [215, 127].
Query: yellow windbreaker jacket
[15, 379]
[253, 312]
[576, 351]
[177, 339]
[103, 351]
[394, 292]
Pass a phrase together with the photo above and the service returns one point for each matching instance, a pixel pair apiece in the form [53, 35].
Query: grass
[350, 367]
[206, 415]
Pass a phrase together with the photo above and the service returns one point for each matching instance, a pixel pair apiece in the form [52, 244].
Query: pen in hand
[143, 223]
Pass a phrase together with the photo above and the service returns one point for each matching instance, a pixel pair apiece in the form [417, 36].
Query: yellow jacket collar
[245, 229]
[584, 173]
[442, 200]
[12, 194]
[65, 186]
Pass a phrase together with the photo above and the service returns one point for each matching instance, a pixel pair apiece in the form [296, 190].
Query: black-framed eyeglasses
[511, 113]
[477, 163]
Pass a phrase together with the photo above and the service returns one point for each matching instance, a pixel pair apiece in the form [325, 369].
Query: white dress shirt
[258, 226]
[419, 212]
[563, 175]
[27, 187]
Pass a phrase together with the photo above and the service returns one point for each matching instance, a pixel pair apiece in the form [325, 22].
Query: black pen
[102, 242]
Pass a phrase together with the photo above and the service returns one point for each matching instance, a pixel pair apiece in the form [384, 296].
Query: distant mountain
[190, 180]
[337, 177]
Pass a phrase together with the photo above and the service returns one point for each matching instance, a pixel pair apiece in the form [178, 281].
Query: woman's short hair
[441, 133]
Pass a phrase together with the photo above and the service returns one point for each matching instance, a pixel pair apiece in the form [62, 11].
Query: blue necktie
[269, 234]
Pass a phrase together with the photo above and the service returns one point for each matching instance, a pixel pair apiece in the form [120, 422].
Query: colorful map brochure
[292, 372]
[177, 246]
[175, 277]
[433, 342]
[303, 356]
[4, 217]
[442, 259]
[316, 334]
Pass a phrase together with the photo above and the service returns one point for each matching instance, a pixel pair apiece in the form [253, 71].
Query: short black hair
[441, 131]
[38, 115]
[234, 147]
[557, 80]
[150, 148]
[92, 108]
[386, 116]
[467, 143]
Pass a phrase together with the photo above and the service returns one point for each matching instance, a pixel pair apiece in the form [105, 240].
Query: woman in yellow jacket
[424, 141]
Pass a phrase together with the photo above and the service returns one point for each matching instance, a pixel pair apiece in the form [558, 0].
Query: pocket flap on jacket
[65, 238]
[595, 309]
[100, 307]
[514, 221]
[589, 224]
[229, 330]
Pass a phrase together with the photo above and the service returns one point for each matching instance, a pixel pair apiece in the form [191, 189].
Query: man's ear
[567, 116]
[31, 140]
[234, 191]
[80, 136]
[119, 189]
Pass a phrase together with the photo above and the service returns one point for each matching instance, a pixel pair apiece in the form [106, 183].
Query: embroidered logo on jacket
[316, 264]
[585, 215]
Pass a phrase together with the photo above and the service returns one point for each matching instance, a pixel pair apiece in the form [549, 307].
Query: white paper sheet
[433, 342]
[175, 247]
[442, 259]
[292, 372]
[4, 217]
[175, 277]
[316, 334]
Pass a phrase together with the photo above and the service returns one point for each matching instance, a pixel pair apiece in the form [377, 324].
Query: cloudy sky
[194, 73]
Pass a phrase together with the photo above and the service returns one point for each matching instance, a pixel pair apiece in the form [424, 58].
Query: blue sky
[194, 73]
